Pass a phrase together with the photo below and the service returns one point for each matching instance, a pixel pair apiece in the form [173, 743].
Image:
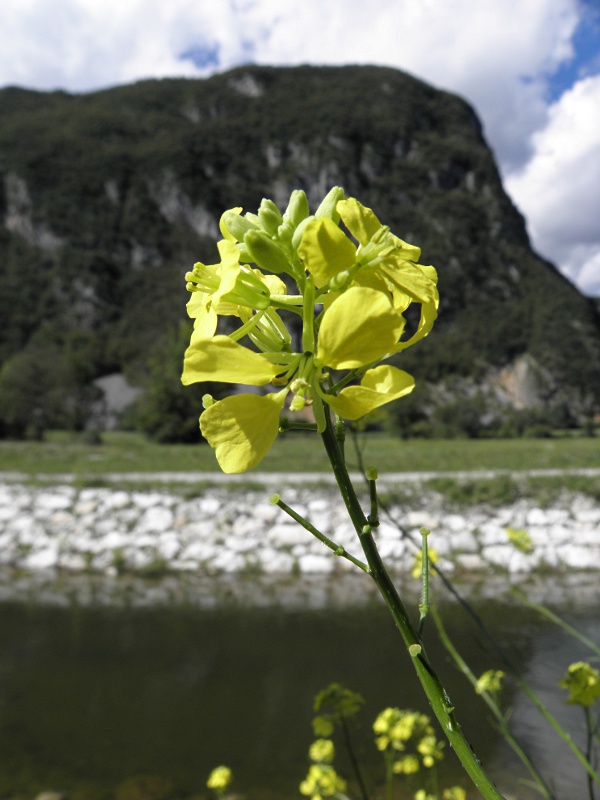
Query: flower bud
[266, 253]
[340, 281]
[297, 209]
[269, 216]
[329, 203]
[297, 403]
[236, 225]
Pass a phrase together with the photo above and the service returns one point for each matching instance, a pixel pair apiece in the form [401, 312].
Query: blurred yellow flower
[583, 683]
[490, 681]
[418, 564]
[322, 751]
[219, 779]
[407, 765]
[322, 781]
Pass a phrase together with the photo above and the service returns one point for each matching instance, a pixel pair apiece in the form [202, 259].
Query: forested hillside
[109, 198]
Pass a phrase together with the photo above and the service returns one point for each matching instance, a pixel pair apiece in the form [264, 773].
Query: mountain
[109, 198]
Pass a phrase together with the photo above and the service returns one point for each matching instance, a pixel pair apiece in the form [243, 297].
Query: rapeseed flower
[322, 751]
[322, 781]
[219, 779]
[490, 681]
[350, 300]
[583, 684]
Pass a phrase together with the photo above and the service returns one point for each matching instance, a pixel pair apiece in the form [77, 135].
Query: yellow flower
[521, 539]
[219, 779]
[490, 681]
[322, 751]
[583, 683]
[223, 288]
[378, 386]
[359, 327]
[396, 726]
[322, 781]
[242, 428]
[322, 726]
[431, 749]
[417, 569]
[223, 360]
[363, 290]
[382, 261]
[407, 765]
[454, 793]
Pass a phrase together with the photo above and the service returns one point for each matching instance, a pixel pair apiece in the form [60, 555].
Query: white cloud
[558, 188]
[480, 50]
[497, 54]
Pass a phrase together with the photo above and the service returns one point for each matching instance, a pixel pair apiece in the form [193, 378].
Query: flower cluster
[583, 684]
[398, 729]
[349, 293]
[490, 681]
[395, 727]
[322, 780]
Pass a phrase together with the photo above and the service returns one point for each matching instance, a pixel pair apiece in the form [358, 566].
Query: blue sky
[586, 56]
[531, 69]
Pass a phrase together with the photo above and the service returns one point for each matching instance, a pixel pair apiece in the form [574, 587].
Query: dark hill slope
[109, 197]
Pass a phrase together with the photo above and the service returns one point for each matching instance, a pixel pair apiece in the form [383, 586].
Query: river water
[92, 694]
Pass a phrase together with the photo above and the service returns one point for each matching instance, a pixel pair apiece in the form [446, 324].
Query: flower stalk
[354, 283]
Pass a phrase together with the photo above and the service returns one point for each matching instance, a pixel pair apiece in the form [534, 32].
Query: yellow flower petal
[196, 305]
[405, 250]
[242, 428]
[359, 327]
[379, 386]
[222, 359]
[325, 250]
[409, 278]
[229, 268]
[205, 325]
[360, 220]
[200, 309]
[274, 284]
[428, 317]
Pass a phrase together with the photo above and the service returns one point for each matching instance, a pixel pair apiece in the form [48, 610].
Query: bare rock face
[107, 199]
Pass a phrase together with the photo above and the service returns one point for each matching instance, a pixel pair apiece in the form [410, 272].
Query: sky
[530, 68]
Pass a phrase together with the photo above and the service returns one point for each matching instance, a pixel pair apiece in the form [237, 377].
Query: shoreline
[217, 540]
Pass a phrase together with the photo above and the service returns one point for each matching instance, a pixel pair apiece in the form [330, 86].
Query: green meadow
[297, 452]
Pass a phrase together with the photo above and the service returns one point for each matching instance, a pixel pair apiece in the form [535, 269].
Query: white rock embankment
[233, 531]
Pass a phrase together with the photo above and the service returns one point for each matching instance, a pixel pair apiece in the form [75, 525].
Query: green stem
[435, 692]
[389, 774]
[588, 749]
[545, 612]
[353, 758]
[564, 735]
[337, 548]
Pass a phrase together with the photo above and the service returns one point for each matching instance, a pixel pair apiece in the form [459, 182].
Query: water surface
[91, 695]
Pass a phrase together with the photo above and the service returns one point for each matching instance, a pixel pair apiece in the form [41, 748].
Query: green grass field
[129, 452]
